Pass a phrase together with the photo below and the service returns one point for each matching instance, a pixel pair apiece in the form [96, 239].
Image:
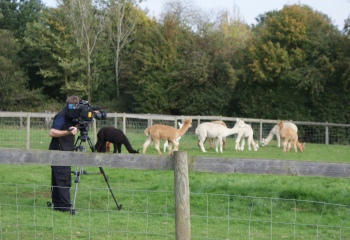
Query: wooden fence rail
[166, 162]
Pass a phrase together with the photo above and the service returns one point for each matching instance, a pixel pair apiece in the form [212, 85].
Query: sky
[337, 10]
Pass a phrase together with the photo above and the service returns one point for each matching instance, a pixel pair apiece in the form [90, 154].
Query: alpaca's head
[301, 147]
[280, 124]
[188, 122]
[256, 147]
[240, 123]
[263, 142]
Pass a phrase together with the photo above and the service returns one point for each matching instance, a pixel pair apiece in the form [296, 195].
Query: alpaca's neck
[299, 145]
[269, 138]
[128, 145]
[230, 131]
[274, 131]
[182, 130]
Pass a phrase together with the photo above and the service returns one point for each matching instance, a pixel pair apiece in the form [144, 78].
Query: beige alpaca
[290, 137]
[177, 140]
[159, 132]
[211, 140]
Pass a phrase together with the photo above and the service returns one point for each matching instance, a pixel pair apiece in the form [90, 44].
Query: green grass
[221, 204]
[234, 206]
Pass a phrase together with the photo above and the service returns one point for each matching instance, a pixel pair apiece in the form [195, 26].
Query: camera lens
[100, 115]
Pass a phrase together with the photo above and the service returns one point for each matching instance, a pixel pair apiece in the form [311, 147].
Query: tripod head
[84, 137]
[84, 128]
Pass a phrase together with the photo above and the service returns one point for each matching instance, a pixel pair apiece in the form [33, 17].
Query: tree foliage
[290, 64]
[293, 64]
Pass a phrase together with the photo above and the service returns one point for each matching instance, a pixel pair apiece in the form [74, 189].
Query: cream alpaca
[289, 137]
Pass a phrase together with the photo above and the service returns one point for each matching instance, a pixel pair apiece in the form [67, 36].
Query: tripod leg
[92, 147]
[109, 187]
[77, 174]
[81, 171]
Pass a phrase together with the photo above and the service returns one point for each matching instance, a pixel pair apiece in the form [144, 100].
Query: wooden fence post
[327, 136]
[182, 196]
[28, 132]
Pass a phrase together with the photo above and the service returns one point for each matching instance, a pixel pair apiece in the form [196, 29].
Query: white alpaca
[159, 132]
[211, 140]
[213, 130]
[276, 131]
[177, 140]
[245, 131]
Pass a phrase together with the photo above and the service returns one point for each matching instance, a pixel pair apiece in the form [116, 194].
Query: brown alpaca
[211, 140]
[108, 146]
[159, 132]
[290, 137]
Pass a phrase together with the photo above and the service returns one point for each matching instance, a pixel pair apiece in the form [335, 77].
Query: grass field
[223, 206]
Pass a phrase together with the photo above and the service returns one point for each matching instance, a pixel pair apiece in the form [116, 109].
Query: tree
[55, 55]
[14, 94]
[88, 22]
[16, 14]
[122, 20]
[290, 64]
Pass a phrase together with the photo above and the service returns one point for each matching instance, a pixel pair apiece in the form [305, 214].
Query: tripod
[84, 138]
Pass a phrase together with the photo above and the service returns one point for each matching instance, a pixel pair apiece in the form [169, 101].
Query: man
[62, 133]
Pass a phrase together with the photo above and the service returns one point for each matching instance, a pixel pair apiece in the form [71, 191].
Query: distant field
[39, 139]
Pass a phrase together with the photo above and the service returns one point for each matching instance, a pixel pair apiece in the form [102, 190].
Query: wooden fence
[180, 164]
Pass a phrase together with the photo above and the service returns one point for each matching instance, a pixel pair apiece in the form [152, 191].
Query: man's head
[72, 100]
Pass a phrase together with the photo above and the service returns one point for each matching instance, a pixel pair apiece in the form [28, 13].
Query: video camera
[84, 112]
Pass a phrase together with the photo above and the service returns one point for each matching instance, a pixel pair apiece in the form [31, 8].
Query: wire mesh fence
[149, 214]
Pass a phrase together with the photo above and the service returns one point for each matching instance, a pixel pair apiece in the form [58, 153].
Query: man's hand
[73, 130]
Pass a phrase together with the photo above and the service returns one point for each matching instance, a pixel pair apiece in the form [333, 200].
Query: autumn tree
[56, 55]
[289, 65]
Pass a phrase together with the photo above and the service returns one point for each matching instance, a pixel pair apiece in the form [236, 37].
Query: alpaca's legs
[250, 138]
[285, 142]
[201, 143]
[289, 145]
[170, 148]
[156, 145]
[176, 147]
[238, 140]
[217, 142]
[146, 144]
[254, 145]
[211, 140]
[165, 145]
[178, 143]
[278, 140]
[243, 144]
